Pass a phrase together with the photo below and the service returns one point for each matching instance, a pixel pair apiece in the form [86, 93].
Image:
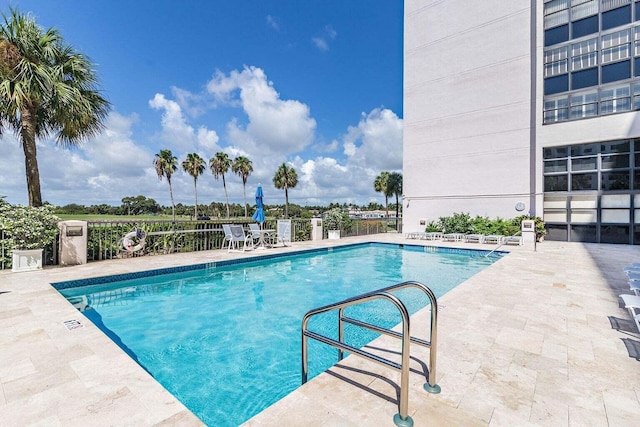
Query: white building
[522, 106]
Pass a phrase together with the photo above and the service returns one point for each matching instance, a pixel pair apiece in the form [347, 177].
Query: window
[584, 164]
[556, 183]
[583, 105]
[555, 166]
[615, 100]
[583, 54]
[556, 110]
[556, 12]
[615, 180]
[584, 181]
[555, 61]
[615, 46]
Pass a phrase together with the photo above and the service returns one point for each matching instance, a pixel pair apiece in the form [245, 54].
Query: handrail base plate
[407, 422]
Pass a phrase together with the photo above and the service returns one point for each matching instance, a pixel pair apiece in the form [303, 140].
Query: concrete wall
[467, 109]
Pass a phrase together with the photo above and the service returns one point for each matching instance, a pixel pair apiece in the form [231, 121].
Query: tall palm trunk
[397, 211]
[244, 191]
[173, 205]
[195, 187]
[226, 197]
[386, 206]
[28, 136]
[286, 202]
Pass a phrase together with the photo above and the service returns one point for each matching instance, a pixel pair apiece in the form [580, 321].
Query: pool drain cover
[72, 324]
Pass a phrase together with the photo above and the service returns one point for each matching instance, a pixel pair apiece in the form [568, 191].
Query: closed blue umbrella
[259, 213]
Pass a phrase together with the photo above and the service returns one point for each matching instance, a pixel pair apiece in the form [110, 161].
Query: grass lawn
[97, 217]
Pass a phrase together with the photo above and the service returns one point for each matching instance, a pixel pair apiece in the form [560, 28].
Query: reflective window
[584, 27]
[615, 46]
[615, 180]
[555, 152]
[584, 164]
[584, 54]
[615, 147]
[584, 181]
[618, 234]
[555, 166]
[615, 100]
[585, 149]
[556, 183]
[556, 110]
[584, 105]
[583, 233]
[555, 61]
[615, 162]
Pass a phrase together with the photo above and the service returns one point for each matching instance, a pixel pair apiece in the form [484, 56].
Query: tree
[243, 167]
[194, 165]
[166, 164]
[381, 185]
[220, 165]
[394, 185]
[285, 178]
[46, 87]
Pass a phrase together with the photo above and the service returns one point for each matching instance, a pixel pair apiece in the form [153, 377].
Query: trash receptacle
[73, 242]
[528, 231]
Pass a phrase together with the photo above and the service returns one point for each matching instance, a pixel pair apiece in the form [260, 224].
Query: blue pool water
[225, 339]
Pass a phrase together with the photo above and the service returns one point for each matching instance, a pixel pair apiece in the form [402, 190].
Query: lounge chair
[512, 240]
[494, 239]
[284, 231]
[238, 236]
[632, 303]
[473, 238]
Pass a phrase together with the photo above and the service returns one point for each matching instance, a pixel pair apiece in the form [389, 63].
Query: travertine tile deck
[538, 338]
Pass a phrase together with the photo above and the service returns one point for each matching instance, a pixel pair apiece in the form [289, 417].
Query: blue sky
[315, 83]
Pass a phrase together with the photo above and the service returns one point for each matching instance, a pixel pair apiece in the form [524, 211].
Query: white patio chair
[228, 237]
[238, 236]
[284, 231]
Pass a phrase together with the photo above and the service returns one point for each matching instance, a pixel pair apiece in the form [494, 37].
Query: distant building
[524, 107]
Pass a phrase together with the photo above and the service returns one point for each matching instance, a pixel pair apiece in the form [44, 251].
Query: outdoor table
[261, 242]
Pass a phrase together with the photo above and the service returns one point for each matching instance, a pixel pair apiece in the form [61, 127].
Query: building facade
[518, 107]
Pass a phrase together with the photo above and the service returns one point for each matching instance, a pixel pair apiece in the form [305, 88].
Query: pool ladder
[402, 418]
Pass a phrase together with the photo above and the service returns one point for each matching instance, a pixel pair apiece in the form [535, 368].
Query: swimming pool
[224, 337]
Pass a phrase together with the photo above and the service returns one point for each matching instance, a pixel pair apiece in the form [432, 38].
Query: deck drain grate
[72, 324]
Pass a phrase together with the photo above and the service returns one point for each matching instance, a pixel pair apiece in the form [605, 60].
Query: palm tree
[285, 177]
[381, 185]
[220, 165]
[194, 165]
[166, 164]
[394, 185]
[46, 87]
[243, 167]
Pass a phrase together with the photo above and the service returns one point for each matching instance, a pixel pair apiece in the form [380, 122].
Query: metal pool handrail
[402, 418]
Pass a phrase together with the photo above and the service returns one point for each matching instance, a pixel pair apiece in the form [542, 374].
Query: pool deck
[538, 338]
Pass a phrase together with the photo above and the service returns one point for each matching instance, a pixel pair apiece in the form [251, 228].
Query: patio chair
[238, 236]
[284, 231]
[228, 237]
[632, 303]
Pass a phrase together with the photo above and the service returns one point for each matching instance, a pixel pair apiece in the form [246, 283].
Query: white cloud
[376, 142]
[322, 41]
[273, 23]
[176, 133]
[274, 124]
